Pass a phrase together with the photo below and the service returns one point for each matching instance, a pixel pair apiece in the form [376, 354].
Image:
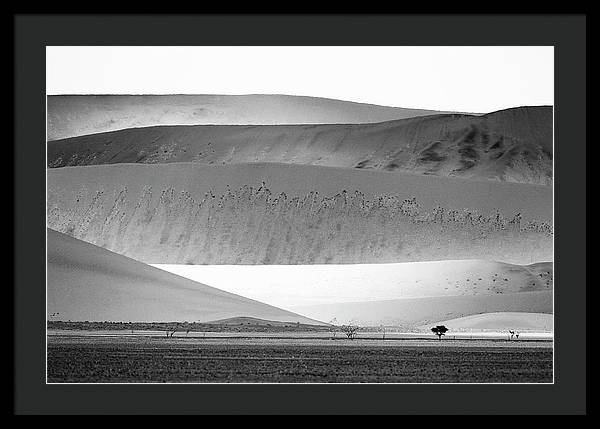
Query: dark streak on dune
[160, 215]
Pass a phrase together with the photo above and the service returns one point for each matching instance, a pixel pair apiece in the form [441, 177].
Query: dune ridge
[86, 282]
[75, 115]
[512, 145]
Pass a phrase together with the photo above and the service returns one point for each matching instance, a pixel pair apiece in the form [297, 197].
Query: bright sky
[466, 78]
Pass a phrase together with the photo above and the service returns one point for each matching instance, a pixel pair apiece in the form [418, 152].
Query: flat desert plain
[260, 360]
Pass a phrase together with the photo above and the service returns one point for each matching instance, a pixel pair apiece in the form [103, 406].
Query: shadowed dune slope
[510, 145]
[86, 282]
[75, 115]
[290, 214]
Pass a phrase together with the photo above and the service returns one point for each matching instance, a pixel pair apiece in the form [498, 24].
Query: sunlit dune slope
[415, 312]
[500, 321]
[292, 285]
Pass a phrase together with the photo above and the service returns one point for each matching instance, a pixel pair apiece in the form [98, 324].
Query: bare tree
[382, 329]
[170, 330]
[350, 331]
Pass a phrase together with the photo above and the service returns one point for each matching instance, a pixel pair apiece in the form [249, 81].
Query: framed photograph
[238, 222]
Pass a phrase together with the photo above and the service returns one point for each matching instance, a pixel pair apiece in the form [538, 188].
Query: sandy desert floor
[140, 359]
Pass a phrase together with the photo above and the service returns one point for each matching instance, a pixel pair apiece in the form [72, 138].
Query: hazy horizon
[438, 78]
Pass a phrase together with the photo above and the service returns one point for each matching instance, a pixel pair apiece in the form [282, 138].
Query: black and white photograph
[300, 214]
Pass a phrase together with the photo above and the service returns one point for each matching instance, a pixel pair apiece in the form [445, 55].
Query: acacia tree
[350, 330]
[439, 331]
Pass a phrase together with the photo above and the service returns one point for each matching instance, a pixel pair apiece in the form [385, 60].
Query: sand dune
[348, 198]
[300, 214]
[74, 115]
[534, 202]
[252, 321]
[538, 322]
[289, 286]
[510, 145]
[85, 282]
[411, 313]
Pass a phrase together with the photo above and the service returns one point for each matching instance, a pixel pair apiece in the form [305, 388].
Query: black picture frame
[32, 33]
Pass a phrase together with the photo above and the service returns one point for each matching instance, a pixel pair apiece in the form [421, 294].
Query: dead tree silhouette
[350, 331]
